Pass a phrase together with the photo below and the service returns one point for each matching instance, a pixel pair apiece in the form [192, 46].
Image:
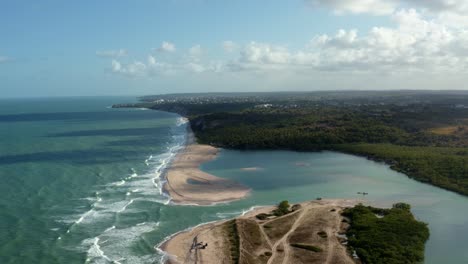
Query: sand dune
[247, 239]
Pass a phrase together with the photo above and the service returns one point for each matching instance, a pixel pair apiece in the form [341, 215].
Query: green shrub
[395, 238]
[307, 247]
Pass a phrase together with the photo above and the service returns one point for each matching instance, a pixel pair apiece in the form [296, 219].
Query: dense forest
[423, 134]
[386, 235]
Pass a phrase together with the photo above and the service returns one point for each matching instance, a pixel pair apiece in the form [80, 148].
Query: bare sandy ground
[187, 184]
[270, 241]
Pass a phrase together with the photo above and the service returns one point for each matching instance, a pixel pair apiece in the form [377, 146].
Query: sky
[87, 48]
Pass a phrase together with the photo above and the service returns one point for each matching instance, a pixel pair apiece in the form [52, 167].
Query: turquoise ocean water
[79, 183]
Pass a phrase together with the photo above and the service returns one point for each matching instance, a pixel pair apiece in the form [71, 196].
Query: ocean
[81, 183]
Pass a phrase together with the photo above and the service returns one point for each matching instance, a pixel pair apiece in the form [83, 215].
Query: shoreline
[186, 184]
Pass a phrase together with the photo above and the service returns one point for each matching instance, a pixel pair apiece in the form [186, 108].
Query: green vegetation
[283, 208]
[395, 238]
[446, 167]
[306, 247]
[233, 237]
[263, 216]
[322, 234]
[422, 134]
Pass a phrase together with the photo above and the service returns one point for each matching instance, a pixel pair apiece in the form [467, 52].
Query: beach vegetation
[306, 247]
[322, 234]
[395, 238]
[231, 230]
[282, 208]
[263, 216]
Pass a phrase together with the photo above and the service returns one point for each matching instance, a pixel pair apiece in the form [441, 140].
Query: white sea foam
[125, 206]
[122, 182]
[236, 213]
[96, 252]
[117, 248]
[109, 229]
[146, 187]
[181, 121]
[84, 216]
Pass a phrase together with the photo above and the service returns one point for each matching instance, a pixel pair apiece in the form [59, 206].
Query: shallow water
[80, 184]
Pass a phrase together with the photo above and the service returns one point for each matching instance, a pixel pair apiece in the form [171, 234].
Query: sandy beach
[187, 184]
[268, 241]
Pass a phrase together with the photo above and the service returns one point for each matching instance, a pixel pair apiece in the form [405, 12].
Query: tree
[283, 208]
[403, 206]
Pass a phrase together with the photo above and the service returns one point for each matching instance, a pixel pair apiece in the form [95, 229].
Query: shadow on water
[113, 132]
[82, 116]
[83, 157]
[139, 142]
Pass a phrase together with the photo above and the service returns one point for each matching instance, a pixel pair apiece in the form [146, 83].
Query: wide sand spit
[188, 185]
[269, 241]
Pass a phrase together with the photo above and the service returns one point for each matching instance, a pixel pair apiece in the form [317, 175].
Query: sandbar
[188, 185]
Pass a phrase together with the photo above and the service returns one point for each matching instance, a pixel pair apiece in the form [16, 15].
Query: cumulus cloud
[111, 53]
[415, 44]
[166, 47]
[195, 51]
[456, 6]
[152, 67]
[229, 46]
[374, 7]
[387, 7]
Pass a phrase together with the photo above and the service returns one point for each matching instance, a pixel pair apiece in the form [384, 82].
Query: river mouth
[284, 176]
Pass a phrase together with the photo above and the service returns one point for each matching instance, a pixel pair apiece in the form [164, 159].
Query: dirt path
[284, 239]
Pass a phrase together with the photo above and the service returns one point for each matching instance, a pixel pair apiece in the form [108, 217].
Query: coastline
[186, 184]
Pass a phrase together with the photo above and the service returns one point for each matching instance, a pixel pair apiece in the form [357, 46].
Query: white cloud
[416, 45]
[264, 53]
[455, 6]
[112, 53]
[195, 51]
[229, 46]
[374, 7]
[116, 66]
[195, 67]
[387, 7]
[166, 47]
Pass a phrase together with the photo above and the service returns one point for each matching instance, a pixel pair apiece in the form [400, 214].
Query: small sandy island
[187, 184]
[311, 232]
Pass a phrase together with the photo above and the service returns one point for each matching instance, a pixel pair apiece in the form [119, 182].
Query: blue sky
[68, 48]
